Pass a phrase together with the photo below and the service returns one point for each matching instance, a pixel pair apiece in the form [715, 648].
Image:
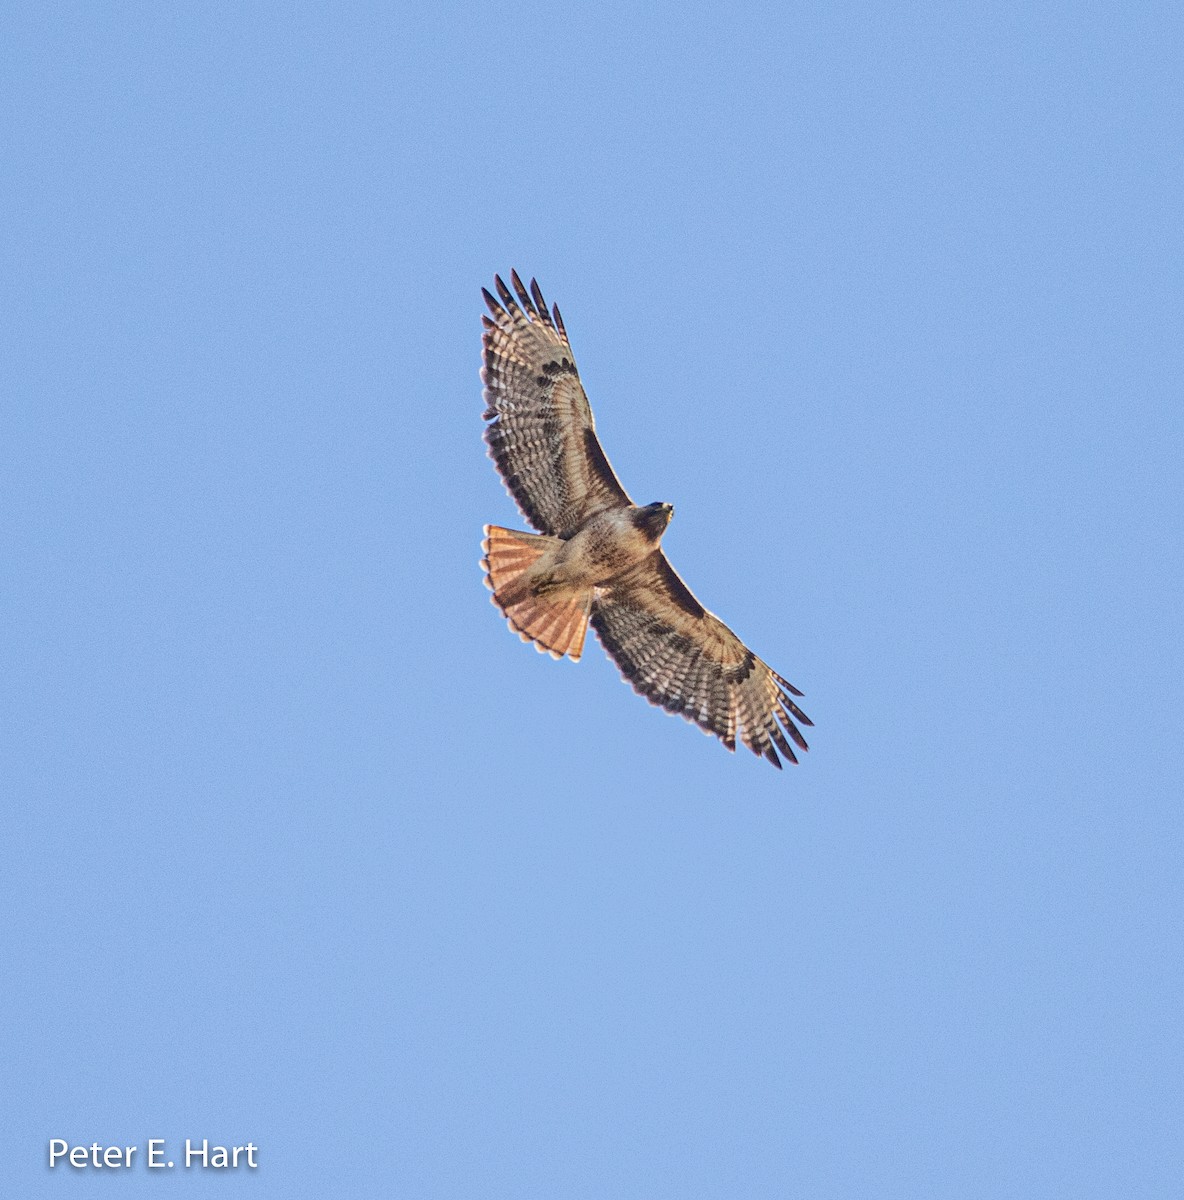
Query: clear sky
[303, 847]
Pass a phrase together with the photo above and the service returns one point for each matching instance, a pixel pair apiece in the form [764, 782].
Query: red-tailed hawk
[597, 556]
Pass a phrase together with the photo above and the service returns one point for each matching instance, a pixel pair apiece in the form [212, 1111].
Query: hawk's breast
[607, 545]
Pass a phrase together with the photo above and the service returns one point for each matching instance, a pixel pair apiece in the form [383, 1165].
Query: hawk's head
[653, 519]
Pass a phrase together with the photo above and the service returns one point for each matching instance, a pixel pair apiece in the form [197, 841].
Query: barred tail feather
[555, 622]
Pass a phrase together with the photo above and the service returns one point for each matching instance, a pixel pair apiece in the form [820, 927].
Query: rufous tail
[556, 621]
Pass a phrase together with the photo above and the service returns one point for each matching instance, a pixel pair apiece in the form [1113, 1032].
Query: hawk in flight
[597, 556]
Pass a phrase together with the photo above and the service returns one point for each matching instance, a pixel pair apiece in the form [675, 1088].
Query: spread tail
[555, 621]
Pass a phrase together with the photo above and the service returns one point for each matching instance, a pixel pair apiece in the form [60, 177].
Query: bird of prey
[597, 556]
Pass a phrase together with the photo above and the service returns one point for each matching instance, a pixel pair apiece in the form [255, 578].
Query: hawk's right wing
[541, 434]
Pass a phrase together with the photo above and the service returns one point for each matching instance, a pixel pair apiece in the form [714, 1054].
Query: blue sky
[303, 847]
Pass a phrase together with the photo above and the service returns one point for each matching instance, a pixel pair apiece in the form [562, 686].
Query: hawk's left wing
[680, 656]
[541, 433]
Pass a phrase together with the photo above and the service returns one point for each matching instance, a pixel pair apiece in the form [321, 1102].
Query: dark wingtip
[504, 292]
[782, 745]
[787, 685]
[537, 292]
[794, 732]
[540, 303]
[791, 709]
[523, 294]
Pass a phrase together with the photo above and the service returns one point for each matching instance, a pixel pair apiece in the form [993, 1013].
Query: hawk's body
[606, 545]
[597, 557]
